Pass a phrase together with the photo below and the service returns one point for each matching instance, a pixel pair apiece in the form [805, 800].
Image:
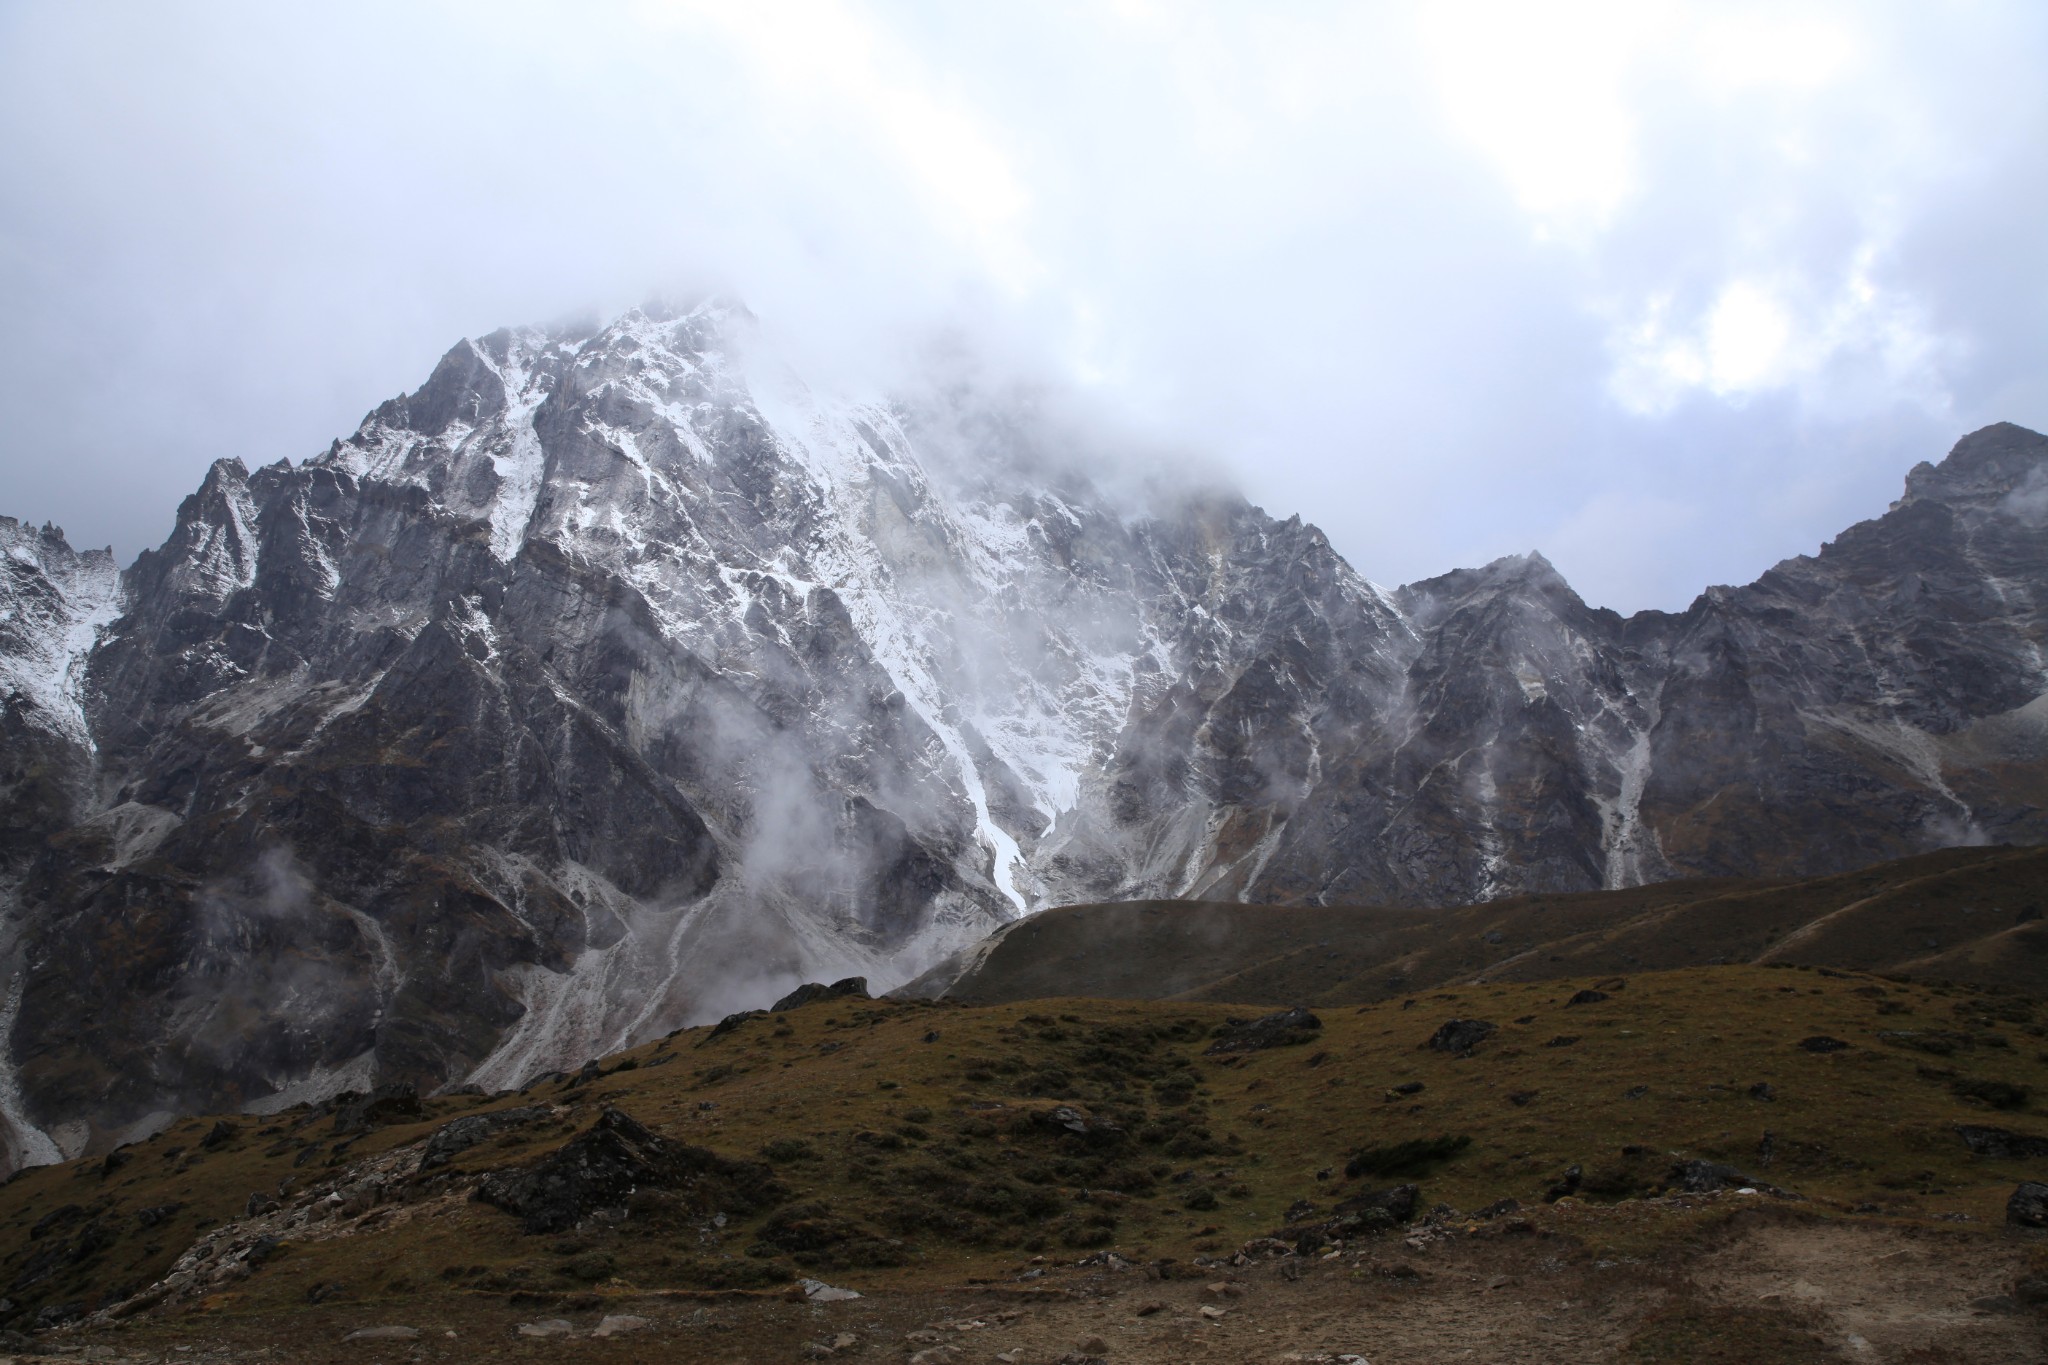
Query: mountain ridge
[613, 679]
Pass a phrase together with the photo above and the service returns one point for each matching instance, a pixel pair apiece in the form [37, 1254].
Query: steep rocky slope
[615, 679]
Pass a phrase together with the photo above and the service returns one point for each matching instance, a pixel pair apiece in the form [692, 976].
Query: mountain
[616, 679]
[1960, 916]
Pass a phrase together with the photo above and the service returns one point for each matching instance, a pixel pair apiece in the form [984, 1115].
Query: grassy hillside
[1969, 915]
[910, 1144]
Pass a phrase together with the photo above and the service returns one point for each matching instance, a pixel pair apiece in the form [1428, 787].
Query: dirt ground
[1766, 1288]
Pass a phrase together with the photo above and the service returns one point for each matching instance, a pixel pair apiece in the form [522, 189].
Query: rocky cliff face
[614, 679]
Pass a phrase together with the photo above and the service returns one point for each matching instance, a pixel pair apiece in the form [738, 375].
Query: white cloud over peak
[1445, 278]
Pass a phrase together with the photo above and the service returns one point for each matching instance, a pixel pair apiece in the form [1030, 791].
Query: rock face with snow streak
[614, 680]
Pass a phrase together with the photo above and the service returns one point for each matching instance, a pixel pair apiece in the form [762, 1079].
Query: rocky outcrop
[613, 680]
[606, 1165]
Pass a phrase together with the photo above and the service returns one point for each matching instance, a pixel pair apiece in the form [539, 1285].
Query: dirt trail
[1887, 1293]
[1789, 1290]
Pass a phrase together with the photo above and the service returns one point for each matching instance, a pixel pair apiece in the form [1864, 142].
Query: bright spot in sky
[1538, 89]
[1748, 335]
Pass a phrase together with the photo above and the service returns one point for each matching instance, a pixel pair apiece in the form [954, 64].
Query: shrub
[1997, 1094]
[1413, 1157]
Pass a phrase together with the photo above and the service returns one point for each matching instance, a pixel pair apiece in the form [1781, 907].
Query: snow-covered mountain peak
[54, 602]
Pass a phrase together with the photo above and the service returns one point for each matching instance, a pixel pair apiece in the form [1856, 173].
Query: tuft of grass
[1415, 1156]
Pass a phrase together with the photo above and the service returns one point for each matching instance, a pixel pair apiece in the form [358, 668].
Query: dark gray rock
[1460, 1036]
[2002, 1144]
[445, 1143]
[601, 1167]
[1397, 1203]
[1090, 1129]
[855, 987]
[1587, 997]
[731, 1022]
[1284, 1029]
[398, 1102]
[2028, 1207]
[1704, 1177]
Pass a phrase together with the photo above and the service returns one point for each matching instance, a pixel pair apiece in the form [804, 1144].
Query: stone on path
[2028, 1207]
[383, 1334]
[546, 1327]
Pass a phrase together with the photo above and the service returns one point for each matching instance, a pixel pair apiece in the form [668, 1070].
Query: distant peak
[1528, 568]
[1510, 574]
[1988, 463]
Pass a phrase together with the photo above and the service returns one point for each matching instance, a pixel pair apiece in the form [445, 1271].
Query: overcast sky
[1667, 291]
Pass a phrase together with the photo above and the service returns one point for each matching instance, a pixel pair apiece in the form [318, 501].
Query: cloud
[1853, 347]
[1439, 277]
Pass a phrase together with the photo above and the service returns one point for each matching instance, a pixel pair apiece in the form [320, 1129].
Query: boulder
[1704, 1177]
[459, 1135]
[149, 1217]
[397, 1102]
[384, 1334]
[1068, 1121]
[731, 1022]
[546, 1327]
[1460, 1036]
[602, 1167]
[1358, 1216]
[2028, 1207]
[1284, 1029]
[810, 991]
[1820, 1042]
[1397, 1203]
[2002, 1144]
[1588, 998]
